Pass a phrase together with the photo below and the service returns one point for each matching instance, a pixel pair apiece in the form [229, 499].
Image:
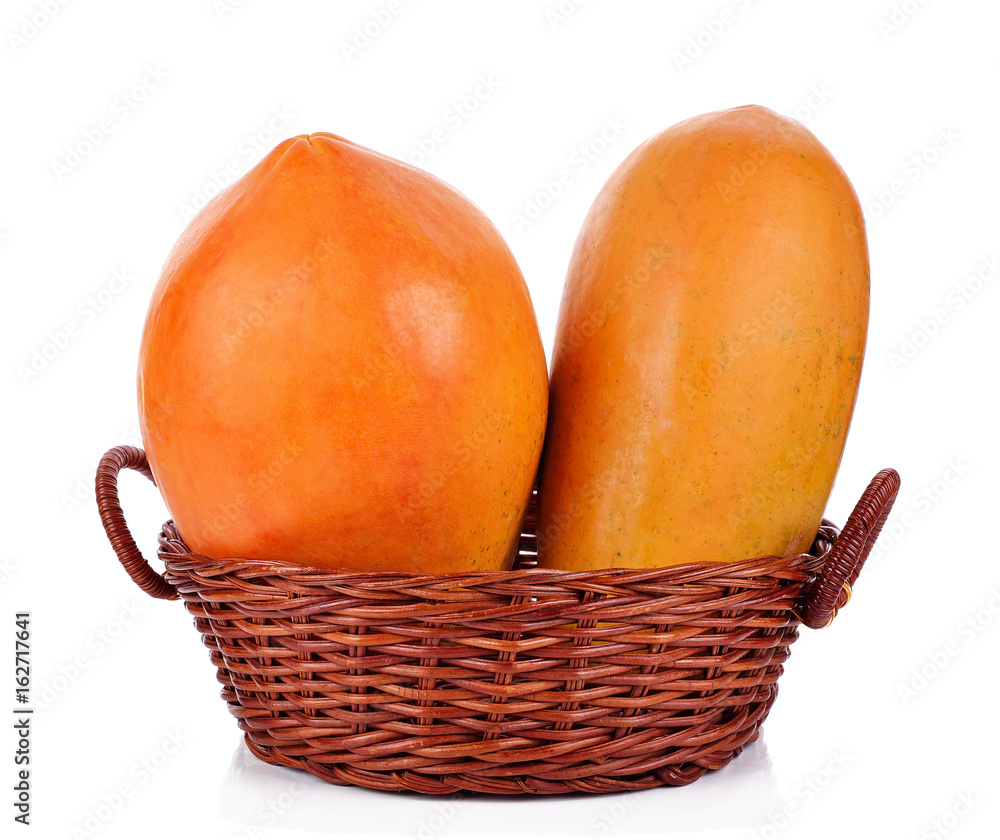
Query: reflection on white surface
[260, 796]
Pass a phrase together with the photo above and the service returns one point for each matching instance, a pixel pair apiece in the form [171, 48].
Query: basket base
[417, 783]
[509, 780]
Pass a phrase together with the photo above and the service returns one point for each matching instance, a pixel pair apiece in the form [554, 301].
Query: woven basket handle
[131, 558]
[850, 550]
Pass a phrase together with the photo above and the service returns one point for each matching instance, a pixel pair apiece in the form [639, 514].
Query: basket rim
[841, 554]
[178, 558]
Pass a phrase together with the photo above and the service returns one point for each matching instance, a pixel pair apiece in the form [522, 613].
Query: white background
[886, 722]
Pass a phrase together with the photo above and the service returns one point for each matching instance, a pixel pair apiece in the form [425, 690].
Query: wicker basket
[526, 681]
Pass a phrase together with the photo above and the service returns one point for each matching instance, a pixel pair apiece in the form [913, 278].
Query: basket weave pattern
[527, 681]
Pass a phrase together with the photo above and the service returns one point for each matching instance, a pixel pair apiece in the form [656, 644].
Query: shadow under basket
[524, 681]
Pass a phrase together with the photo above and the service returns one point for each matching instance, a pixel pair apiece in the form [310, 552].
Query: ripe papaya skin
[708, 350]
[341, 367]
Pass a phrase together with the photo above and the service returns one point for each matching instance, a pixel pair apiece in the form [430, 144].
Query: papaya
[341, 367]
[708, 350]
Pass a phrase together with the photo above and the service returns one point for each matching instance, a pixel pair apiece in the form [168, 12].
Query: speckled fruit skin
[708, 350]
[341, 367]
